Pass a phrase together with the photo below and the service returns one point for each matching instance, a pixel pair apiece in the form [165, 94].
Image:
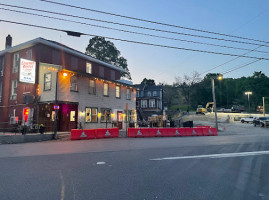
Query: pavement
[233, 165]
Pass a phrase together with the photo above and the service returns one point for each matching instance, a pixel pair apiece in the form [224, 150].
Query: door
[119, 119]
[68, 115]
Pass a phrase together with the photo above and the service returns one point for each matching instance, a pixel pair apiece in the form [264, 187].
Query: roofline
[54, 45]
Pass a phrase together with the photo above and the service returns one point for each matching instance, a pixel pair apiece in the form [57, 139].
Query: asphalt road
[150, 168]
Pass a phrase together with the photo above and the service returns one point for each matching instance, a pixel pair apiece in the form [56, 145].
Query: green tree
[148, 82]
[106, 51]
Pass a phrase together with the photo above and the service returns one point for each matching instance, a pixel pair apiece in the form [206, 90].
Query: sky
[246, 18]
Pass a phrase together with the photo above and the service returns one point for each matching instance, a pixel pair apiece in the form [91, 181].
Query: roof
[149, 88]
[59, 46]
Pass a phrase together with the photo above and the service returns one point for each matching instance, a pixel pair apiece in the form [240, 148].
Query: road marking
[63, 185]
[223, 155]
[101, 163]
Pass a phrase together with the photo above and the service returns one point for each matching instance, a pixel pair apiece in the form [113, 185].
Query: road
[138, 169]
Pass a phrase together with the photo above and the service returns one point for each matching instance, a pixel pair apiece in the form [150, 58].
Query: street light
[219, 77]
[248, 93]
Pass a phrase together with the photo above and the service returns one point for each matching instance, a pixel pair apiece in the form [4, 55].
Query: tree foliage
[148, 82]
[106, 51]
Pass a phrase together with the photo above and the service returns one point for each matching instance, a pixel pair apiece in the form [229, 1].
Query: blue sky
[247, 18]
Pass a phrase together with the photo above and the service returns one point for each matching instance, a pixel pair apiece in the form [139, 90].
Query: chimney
[8, 41]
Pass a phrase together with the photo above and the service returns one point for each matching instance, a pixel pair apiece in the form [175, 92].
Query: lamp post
[248, 93]
[214, 98]
[56, 107]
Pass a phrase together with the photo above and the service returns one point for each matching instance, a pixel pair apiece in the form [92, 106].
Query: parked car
[248, 119]
[260, 121]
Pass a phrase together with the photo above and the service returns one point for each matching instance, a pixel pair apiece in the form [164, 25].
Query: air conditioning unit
[13, 120]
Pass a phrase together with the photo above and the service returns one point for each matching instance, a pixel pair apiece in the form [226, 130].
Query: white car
[248, 119]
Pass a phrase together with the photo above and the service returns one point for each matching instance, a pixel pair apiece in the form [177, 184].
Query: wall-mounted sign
[27, 71]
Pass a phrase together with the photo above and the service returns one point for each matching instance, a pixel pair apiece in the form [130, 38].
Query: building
[149, 101]
[47, 78]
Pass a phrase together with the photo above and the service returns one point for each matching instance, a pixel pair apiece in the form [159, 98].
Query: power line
[133, 26]
[133, 32]
[153, 22]
[236, 68]
[229, 61]
[131, 41]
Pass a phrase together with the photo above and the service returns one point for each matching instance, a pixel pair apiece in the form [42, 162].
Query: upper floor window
[74, 84]
[92, 86]
[144, 103]
[137, 94]
[128, 94]
[14, 86]
[152, 103]
[117, 91]
[29, 54]
[16, 62]
[47, 81]
[142, 94]
[88, 68]
[154, 93]
[105, 89]
[149, 94]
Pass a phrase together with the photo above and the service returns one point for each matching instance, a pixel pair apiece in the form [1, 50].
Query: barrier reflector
[212, 131]
[198, 131]
[136, 132]
[80, 134]
[107, 133]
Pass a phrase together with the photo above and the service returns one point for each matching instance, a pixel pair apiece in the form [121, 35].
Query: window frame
[94, 87]
[150, 101]
[155, 94]
[15, 68]
[142, 106]
[119, 91]
[91, 108]
[103, 115]
[76, 83]
[106, 95]
[13, 89]
[49, 73]
[87, 69]
[149, 93]
[128, 95]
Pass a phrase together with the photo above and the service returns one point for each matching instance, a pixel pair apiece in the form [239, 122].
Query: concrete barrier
[15, 139]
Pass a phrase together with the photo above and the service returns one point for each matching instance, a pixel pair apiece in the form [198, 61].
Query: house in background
[149, 101]
[44, 75]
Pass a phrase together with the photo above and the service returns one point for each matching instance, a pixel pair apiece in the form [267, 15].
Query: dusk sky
[246, 18]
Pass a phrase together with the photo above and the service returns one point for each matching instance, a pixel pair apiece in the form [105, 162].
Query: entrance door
[68, 115]
[119, 119]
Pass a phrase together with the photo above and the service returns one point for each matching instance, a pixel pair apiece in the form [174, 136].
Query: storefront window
[105, 114]
[91, 114]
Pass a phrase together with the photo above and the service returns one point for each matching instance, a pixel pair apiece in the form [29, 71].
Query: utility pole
[56, 106]
[215, 103]
[263, 106]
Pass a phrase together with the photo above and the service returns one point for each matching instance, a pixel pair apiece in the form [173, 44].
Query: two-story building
[149, 100]
[45, 75]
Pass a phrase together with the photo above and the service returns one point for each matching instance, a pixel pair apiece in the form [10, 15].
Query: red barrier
[135, 132]
[80, 134]
[198, 131]
[212, 131]
[107, 133]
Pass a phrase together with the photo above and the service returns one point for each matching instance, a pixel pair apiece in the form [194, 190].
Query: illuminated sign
[56, 107]
[27, 71]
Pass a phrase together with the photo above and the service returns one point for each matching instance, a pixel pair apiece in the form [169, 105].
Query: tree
[106, 51]
[148, 82]
[187, 84]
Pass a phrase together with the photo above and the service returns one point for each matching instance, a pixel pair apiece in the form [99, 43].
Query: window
[29, 54]
[105, 89]
[16, 62]
[142, 94]
[88, 68]
[14, 86]
[152, 103]
[137, 94]
[92, 87]
[144, 103]
[105, 115]
[91, 114]
[128, 94]
[117, 91]
[74, 84]
[149, 94]
[47, 81]
[154, 93]
[72, 116]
